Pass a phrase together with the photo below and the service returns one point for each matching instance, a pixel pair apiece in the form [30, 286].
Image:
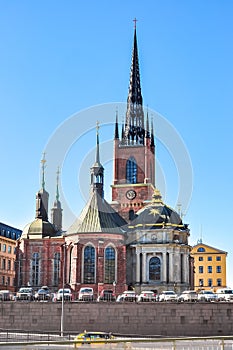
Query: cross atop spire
[135, 22]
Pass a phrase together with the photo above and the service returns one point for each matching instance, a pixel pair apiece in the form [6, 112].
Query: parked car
[188, 295]
[147, 295]
[224, 294]
[106, 295]
[86, 294]
[43, 294]
[207, 295]
[100, 338]
[66, 293]
[128, 295]
[25, 293]
[6, 295]
[168, 295]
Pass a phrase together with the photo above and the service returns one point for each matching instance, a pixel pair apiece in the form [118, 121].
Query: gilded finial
[156, 197]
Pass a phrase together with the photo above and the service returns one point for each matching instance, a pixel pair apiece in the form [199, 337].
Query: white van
[225, 294]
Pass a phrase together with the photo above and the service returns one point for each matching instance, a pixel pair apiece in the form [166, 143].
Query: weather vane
[135, 22]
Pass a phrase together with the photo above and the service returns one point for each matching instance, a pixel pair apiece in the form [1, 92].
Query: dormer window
[201, 250]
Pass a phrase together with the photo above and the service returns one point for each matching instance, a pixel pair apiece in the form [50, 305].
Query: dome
[39, 229]
[157, 215]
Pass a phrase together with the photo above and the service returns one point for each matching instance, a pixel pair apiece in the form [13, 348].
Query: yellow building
[209, 267]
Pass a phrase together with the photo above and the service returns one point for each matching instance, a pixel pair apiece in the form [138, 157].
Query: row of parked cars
[43, 294]
[223, 294]
[87, 294]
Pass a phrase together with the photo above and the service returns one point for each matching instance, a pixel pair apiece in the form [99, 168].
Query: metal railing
[9, 339]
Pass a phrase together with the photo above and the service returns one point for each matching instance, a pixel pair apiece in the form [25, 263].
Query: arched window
[35, 269]
[154, 269]
[56, 269]
[89, 264]
[201, 249]
[110, 264]
[131, 171]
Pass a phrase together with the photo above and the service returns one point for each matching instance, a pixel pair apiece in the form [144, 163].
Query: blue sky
[59, 58]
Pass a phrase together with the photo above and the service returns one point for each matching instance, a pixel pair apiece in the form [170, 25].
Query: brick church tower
[134, 152]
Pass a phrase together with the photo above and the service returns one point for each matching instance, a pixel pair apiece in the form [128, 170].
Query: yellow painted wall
[213, 253]
[7, 270]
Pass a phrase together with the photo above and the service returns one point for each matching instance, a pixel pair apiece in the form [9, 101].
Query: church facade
[136, 241]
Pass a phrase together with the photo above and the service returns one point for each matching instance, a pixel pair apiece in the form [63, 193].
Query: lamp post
[99, 266]
[114, 287]
[63, 285]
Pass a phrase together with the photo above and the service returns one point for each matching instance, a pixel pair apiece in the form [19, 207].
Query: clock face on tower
[131, 194]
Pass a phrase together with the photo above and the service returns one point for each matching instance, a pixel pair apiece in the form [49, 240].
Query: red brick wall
[145, 159]
[46, 247]
[117, 241]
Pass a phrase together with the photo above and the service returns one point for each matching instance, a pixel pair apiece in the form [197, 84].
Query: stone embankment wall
[166, 319]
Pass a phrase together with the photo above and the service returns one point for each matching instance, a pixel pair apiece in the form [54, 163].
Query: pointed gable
[204, 248]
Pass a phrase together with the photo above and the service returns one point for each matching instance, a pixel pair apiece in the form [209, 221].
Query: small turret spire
[147, 135]
[56, 211]
[97, 143]
[43, 166]
[116, 127]
[57, 189]
[152, 142]
[97, 170]
[42, 196]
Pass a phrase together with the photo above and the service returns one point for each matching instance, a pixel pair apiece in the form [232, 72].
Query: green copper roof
[98, 216]
[39, 229]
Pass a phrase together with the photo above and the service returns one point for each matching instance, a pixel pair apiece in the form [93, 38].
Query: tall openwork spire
[134, 123]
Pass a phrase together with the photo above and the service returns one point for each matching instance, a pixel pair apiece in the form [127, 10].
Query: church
[135, 241]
